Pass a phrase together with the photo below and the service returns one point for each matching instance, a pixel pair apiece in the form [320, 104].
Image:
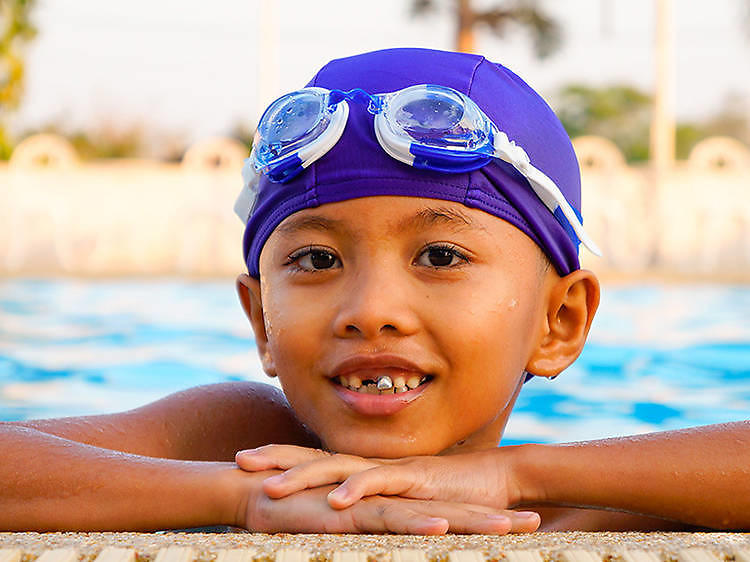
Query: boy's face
[405, 287]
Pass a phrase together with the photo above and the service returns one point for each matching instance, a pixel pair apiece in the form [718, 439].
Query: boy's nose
[375, 305]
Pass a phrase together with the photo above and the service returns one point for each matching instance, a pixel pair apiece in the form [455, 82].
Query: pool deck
[246, 547]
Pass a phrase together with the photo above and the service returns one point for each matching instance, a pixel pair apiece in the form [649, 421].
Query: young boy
[412, 258]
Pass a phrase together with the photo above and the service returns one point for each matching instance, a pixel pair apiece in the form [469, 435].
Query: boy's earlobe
[572, 303]
[248, 289]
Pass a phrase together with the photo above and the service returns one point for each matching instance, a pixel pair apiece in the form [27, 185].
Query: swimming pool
[659, 356]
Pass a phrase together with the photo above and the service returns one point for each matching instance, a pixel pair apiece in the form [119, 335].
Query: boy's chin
[382, 446]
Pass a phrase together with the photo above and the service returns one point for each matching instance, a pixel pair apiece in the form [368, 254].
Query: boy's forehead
[395, 219]
[396, 214]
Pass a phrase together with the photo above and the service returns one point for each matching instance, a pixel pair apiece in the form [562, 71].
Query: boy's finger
[276, 456]
[524, 521]
[423, 517]
[374, 517]
[469, 518]
[331, 470]
[380, 480]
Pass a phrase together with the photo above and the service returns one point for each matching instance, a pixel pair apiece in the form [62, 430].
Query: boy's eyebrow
[431, 216]
[423, 219]
[309, 222]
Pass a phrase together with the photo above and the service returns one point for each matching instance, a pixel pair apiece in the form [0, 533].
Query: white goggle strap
[543, 186]
[243, 205]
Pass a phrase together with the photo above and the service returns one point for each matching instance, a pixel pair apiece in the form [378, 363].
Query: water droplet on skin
[513, 303]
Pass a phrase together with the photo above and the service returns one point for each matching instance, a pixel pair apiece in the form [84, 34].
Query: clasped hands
[337, 493]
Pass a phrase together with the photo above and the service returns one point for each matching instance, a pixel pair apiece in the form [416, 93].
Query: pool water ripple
[658, 356]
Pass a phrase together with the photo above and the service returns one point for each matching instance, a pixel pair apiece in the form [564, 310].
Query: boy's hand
[474, 478]
[308, 512]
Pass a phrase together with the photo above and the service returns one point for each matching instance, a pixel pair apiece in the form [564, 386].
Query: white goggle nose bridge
[405, 148]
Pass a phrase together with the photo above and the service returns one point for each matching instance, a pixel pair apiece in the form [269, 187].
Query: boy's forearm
[50, 483]
[699, 476]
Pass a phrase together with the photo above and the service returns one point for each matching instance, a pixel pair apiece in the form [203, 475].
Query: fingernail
[278, 479]
[339, 494]
[247, 452]
[497, 517]
[527, 514]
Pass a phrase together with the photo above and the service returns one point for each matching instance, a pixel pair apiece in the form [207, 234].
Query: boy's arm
[210, 422]
[51, 483]
[123, 470]
[698, 476]
[54, 483]
[104, 473]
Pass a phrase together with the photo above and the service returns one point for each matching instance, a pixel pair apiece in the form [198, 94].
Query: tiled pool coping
[247, 547]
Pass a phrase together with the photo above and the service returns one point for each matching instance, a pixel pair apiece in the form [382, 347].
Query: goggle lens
[290, 122]
[428, 116]
[438, 116]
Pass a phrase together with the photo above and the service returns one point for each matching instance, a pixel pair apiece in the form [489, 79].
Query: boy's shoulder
[223, 418]
[210, 422]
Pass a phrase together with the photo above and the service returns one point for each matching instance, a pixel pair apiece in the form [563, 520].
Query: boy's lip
[381, 361]
[370, 365]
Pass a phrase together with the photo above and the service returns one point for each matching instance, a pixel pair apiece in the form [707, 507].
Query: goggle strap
[552, 197]
[543, 186]
[243, 205]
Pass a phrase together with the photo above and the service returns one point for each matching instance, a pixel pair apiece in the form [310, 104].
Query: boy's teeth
[412, 382]
[385, 382]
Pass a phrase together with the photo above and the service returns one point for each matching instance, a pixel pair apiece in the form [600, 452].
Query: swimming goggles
[426, 126]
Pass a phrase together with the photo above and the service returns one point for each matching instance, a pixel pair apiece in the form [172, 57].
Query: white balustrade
[59, 215]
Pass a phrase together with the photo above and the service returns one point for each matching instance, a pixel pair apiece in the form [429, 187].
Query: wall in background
[137, 217]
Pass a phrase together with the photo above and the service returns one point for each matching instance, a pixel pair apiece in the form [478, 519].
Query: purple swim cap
[357, 166]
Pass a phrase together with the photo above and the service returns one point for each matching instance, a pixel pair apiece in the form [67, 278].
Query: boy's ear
[571, 305]
[248, 290]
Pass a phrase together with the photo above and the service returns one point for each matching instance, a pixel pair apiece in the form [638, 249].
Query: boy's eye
[441, 256]
[313, 259]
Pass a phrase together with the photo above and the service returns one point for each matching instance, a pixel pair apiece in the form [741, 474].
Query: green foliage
[687, 135]
[620, 113]
[105, 141]
[243, 133]
[6, 147]
[108, 142]
[16, 29]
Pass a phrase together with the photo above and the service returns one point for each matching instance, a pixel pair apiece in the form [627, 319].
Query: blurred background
[123, 127]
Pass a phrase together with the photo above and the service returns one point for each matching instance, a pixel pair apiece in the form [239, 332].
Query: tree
[16, 29]
[544, 30]
[620, 113]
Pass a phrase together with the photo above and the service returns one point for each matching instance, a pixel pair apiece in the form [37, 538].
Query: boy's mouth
[382, 384]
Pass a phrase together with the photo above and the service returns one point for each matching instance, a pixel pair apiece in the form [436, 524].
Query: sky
[191, 67]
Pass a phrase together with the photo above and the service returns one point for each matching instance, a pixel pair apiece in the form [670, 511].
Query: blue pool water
[658, 357]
